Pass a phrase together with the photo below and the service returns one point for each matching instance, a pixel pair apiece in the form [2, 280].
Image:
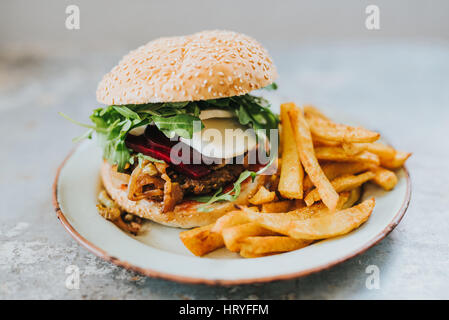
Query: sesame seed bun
[185, 214]
[205, 65]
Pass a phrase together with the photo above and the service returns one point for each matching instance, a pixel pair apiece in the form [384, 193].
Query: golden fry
[398, 161]
[328, 130]
[278, 206]
[333, 170]
[339, 154]
[246, 254]
[307, 212]
[306, 152]
[201, 240]
[317, 208]
[271, 244]
[228, 220]
[354, 196]
[318, 142]
[262, 196]
[384, 178]
[354, 148]
[292, 173]
[343, 183]
[232, 235]
[383, 151]
[313, 111]
[323, 226]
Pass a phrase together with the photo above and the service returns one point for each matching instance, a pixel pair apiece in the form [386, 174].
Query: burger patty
[218, 178]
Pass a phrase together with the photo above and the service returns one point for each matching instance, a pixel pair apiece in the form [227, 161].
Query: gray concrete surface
[398, 88]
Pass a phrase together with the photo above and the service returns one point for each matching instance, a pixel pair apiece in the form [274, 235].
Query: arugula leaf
[231, 195]
[78, 123]
[126, 112]
[85, 135]
[181, 125]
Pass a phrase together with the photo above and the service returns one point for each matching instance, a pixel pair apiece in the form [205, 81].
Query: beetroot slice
[156, 139]
[159, 148]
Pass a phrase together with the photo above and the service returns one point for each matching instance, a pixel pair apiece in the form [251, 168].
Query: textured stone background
[397, 85]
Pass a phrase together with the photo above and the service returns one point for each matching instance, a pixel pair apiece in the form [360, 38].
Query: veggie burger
[161, 100]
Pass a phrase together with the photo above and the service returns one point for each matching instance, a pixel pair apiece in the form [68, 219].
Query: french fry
[318, 142]
[292, 173]
[201, 240]
[313, 111]
[384, 152]
[317, 208]
[328, 130]
[307, 212]
[338, 154]
[398, 161]
[333, 170]
[230, 219]
[323, 226]
[354, 148]
[306, 152]
[343, 183]
[384, 178]
[247, 254]
[354, 196]
[262, 196]
[257, 246]
[278, 206]
[232, 235]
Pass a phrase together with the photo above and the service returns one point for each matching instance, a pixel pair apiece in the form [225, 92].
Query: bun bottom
[185, 214]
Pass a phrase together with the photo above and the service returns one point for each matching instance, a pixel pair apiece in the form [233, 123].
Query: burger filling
[153, 176]
[138, 141]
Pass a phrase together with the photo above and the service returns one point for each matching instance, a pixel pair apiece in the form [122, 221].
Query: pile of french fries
[322, 167]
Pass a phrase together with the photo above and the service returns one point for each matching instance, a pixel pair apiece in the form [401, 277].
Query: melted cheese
[222, 138]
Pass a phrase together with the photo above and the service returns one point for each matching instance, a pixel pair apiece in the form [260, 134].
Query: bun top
[205, 65]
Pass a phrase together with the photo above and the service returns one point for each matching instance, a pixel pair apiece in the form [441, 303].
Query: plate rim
[195, 280]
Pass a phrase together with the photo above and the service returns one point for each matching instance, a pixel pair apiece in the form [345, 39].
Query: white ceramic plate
[158, 252]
